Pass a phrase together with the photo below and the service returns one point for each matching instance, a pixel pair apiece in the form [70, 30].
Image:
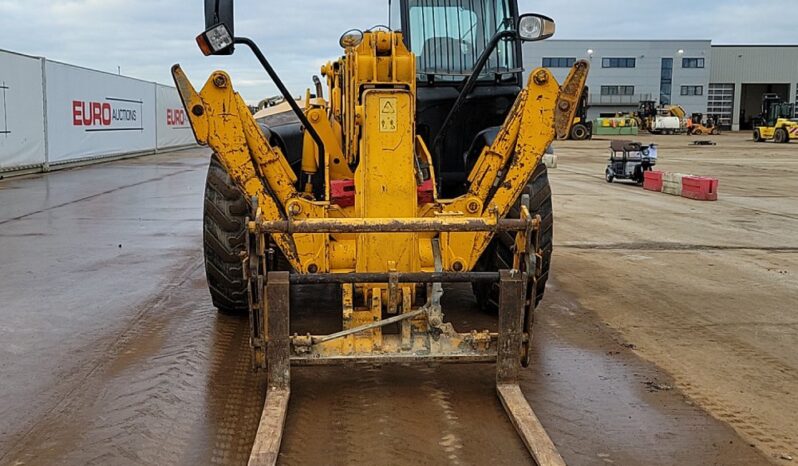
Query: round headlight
[535, 27]
[530, 27]
[351, 38]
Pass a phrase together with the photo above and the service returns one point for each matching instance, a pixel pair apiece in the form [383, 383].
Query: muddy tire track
[176, 368]
[692, 331]
[73, 384]
[178, 389]
[361, 415]
[758, 365]
[766, 368]
[396, 415]
[240, 394]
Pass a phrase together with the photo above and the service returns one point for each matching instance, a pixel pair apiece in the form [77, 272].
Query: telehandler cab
[420, 166]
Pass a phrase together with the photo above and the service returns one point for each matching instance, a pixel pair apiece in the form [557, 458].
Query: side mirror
[532, 27]
[219, 28]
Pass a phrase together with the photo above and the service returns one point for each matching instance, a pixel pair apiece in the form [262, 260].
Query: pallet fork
[512, 285]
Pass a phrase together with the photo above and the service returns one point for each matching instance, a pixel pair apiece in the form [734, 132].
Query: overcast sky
[145, 37]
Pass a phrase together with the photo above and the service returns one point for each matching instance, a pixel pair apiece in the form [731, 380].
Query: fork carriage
[367, 296]
[423, 337]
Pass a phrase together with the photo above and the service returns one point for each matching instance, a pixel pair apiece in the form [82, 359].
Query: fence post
[46, 164]
[157, 115]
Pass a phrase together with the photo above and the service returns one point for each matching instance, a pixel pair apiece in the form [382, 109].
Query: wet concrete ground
[111, 353]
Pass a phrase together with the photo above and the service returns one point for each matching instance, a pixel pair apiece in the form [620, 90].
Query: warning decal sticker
[388, 115]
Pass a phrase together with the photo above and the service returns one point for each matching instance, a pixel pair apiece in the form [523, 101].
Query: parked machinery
[646, 114]
[616, 126]
[667, 119]
[367, 205]
[776, 122]
[697, 126]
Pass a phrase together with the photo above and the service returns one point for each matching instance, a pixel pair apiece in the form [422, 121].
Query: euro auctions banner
[91, 113]
[174, 128]
[21, 111]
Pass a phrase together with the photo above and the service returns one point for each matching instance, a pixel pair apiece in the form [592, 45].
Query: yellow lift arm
[222, 121]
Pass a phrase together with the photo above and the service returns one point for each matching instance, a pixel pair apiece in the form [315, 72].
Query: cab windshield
[448, 37]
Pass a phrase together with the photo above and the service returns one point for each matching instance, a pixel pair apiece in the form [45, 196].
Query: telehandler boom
[366, 206]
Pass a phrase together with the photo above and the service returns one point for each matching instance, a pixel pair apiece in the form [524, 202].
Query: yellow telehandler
[420, 166]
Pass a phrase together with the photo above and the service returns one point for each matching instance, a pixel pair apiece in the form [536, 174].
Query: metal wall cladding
[52, 113]
[751, 64]
[21, 111]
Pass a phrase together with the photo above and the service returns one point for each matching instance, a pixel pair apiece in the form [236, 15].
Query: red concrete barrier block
[700, 188]
[652, 181]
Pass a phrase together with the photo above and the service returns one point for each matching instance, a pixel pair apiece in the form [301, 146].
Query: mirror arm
[470, 82]
[287, 95]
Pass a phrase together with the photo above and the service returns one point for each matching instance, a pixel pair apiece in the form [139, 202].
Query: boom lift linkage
[389, 243]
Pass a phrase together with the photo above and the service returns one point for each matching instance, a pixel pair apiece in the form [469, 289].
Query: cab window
[448, 36]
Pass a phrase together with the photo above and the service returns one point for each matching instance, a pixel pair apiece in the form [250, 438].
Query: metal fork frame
[512, 297]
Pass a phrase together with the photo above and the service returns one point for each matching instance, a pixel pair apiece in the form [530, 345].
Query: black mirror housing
[220, 12]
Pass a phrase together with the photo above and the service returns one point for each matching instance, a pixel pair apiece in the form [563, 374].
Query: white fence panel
[174, 128]
[90, 113]
[21, 111]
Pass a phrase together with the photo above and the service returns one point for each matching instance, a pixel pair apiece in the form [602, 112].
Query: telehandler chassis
[393, 243]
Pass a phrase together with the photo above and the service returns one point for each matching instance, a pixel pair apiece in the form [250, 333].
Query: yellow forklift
[696, 126]
[777, 121]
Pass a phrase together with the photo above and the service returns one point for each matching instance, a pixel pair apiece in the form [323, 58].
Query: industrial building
[724, 82]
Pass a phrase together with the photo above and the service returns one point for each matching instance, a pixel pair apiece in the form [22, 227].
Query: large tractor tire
[499, 254]
[782, 136]
[224, 240]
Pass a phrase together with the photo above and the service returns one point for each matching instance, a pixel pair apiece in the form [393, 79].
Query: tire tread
[224, 238]
[499, 253]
